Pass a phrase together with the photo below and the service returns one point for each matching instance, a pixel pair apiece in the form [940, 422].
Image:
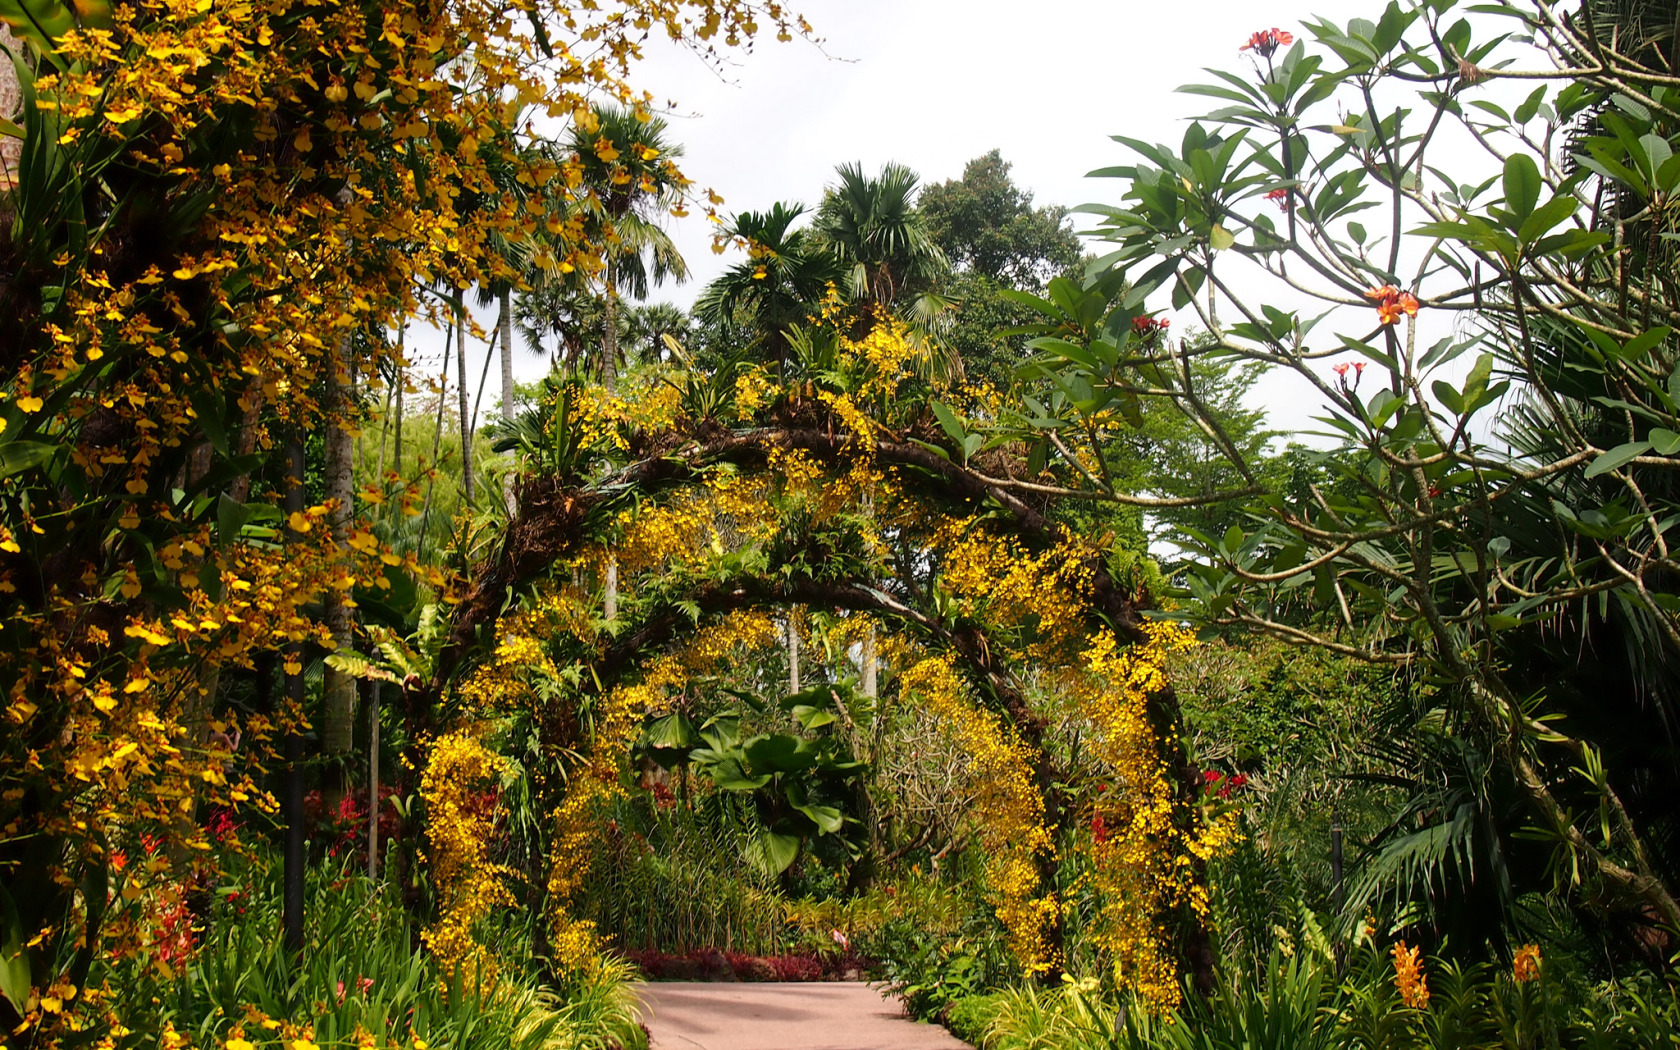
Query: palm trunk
[504, 327]
[466, 427]
[338, 689]
[609, 379]
[402, 381]
[609, 338]
[437, 445]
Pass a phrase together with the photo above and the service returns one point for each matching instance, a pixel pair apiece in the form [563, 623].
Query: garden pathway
[769, 1016]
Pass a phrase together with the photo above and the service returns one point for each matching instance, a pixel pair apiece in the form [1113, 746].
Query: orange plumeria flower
[1387, 291]
[1267, 41]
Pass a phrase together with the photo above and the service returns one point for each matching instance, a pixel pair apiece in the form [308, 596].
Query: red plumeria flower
[1266, 42]
[1340, 370]
[1149, 328]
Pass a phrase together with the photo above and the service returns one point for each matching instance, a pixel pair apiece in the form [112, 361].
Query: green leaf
[827, 818]
[209, 408]
[231, 516]
[1616, 457]
[672, 731]
[1220, 238]
[18, 456]
[1664, 442]
[813, 717]
[948, 421]
[1448, 396]
[1522, 186]
[778, 753]
[1476, 382]
[14, 956]
[771, 853]
[1642, 343]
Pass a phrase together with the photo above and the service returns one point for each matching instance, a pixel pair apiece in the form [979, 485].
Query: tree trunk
[793, 653]
[868, 661]
[402, 381]
[338, 690]
[11, 108]
[504, 328]
[466, 426]
[437, 445]
[373, 781]
[609, 338]
[609, 379]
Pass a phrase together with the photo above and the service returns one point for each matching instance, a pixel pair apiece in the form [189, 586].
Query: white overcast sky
[933, 84]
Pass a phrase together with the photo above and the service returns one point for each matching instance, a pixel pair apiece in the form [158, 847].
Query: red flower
[1266, 42]
[1340, 370]
[1147, 327]
[1281, 198]
[1099, 830]
[221, 825]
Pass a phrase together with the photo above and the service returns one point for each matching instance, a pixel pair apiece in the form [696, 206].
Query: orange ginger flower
[1410, 978]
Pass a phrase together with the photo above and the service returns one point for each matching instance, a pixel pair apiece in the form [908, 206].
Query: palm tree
[562, 307]
[628, 177]
[874, 230]
[642, 330]
[786, 272]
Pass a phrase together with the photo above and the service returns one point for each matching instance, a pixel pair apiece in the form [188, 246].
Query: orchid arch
[739, 505]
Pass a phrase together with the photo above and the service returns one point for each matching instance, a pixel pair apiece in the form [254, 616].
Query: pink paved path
[811, 1016]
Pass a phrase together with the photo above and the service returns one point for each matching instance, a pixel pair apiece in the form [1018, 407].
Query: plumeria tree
[1458, 241]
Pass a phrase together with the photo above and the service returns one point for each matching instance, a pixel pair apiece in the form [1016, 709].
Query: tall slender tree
[628, 179]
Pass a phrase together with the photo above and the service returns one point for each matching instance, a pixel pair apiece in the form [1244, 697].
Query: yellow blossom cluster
[729, 511]
[458, 789]
[1143, 836]
[998, 578]
[1009, 808]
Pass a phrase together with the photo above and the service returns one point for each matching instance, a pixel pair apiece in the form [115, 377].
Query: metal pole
[294, 859]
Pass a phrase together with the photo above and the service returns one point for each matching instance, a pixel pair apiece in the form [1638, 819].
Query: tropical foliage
[934, 601]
